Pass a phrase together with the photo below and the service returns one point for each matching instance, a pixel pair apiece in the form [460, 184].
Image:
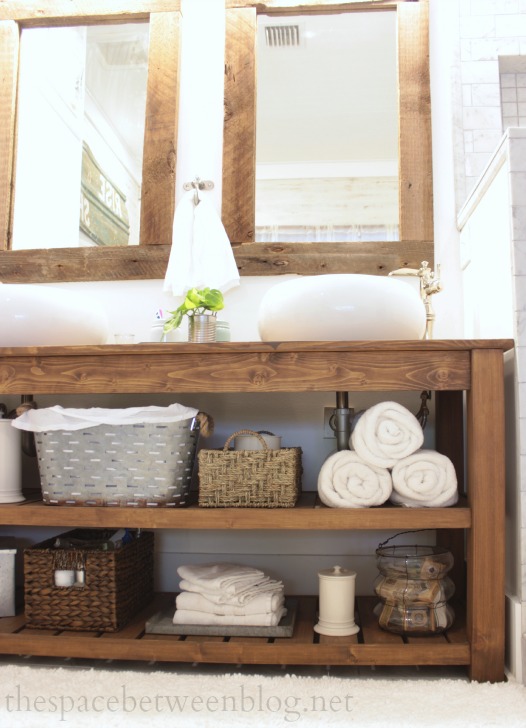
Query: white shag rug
[32, 697]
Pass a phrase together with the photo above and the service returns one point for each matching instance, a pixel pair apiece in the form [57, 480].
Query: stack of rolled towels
[228, 594]
[386, 462]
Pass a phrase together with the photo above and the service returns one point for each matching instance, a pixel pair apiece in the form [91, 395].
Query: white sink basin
[341, 307]
[33, 315]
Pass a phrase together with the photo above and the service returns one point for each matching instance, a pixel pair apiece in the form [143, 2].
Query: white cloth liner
[59, 418]
[346, 481]
[201, 253]
[425, 479]
[386, 433]
[263, 603]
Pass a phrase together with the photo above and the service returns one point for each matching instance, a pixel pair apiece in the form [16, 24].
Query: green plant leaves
[196, 301]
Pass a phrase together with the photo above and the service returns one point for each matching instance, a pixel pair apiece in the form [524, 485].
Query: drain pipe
[340, 421]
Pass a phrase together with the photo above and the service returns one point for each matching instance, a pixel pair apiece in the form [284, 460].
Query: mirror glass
[327, 128]
[80, 129]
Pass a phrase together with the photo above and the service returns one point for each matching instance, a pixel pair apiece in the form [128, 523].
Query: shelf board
[308, 514]
[371, 646]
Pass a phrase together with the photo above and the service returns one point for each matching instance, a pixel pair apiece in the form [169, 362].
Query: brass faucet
[429, 284]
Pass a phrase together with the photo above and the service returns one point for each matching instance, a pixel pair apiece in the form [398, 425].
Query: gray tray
[161, 623]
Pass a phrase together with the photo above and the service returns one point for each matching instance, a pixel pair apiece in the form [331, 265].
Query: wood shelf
[308, 514]
[371, 646]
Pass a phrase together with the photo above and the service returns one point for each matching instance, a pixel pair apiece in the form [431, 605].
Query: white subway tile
[494, 7]
[508, 121]
[478, 26]
[486, 94]
[519, 256]
[480, 72]
[517, 157]
[475, 163]
[486, 140]
[465, 51]
[482, 117]
[467, 94]
[518, 221]
[487, 49]
[511, 25]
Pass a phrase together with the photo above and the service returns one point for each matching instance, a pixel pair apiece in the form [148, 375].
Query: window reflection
[80, 130]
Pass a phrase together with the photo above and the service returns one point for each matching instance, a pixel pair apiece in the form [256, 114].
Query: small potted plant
[201, 306]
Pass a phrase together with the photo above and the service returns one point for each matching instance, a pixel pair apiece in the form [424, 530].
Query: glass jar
[222, 331]
[414, 589]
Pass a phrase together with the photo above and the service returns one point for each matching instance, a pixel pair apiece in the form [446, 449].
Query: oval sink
[341, 307]
[34, 315]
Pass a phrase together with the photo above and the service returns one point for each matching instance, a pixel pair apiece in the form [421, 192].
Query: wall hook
[198, 184]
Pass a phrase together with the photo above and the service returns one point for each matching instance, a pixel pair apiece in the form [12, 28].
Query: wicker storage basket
[249, 478]
[147, 464]
[116, 584]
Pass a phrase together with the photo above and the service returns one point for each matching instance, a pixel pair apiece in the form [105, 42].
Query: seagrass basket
[249, 478]
[114, 585]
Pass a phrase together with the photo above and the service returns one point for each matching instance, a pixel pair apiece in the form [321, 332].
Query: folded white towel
[346, 481]
[221, 577]
[386, 433]
[188, 616]
[426, 478]
[243, 596]
[261, 604]
[201, 253]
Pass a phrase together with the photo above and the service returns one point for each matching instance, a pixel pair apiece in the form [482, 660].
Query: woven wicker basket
[117, 584]
[249, 478]
[148, 464]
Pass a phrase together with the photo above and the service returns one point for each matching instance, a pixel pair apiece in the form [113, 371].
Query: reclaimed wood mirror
[149, 258]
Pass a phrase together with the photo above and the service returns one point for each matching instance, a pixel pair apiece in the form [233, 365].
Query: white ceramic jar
[337, 590]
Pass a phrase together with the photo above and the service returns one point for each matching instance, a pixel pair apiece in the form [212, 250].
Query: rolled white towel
[189, 616]
[425, 478]
[386, 433]
[261, 604]
[222, 577]
[346, 481]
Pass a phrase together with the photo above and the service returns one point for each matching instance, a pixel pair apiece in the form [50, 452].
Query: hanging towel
[201, 254]
[386, 433]
[346, 481]
[187, 616]
[261, 604]
[426, 478]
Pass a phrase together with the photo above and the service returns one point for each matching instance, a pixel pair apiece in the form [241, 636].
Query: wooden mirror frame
[149, 259]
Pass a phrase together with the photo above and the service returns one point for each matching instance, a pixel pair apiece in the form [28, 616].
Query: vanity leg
[449, 421]
[486, 496]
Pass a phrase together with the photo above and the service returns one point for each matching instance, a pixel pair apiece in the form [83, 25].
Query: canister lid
[337, 571]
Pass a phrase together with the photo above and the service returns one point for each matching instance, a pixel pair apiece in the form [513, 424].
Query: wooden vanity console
[467, 381]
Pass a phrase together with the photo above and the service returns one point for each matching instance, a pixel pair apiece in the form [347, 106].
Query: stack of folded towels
[387, 462]
[228, 594]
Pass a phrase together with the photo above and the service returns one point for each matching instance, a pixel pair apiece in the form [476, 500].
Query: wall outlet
[328, 432]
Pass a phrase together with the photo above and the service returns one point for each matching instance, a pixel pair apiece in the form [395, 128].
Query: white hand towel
[187, 616]
[223, 577]
[201, 254]
[346, 481]
[426, 478]
[261, 604]
[386, 433]
[57, 418]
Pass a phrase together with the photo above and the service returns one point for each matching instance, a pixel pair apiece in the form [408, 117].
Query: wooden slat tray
[161, 623]
[371, 646]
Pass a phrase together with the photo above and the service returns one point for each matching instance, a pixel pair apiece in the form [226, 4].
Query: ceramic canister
[10, 463]
[336, 615]
[252, 442]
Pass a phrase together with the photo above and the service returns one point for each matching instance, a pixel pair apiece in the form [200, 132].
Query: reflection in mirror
[327, 128]
[80, 130]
